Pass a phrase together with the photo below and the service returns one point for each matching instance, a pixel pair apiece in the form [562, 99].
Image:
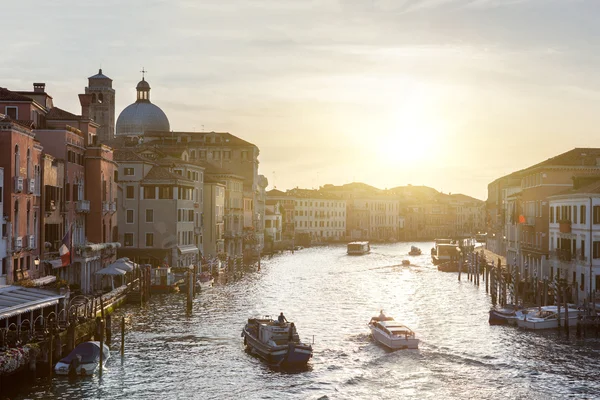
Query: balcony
[564, 226]
[562, 255]
[82, 206]
[112, 207]
[31, 186]
[31, 242]
[17, 243]
[18, 184]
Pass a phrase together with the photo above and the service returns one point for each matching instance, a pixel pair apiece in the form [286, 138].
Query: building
[273, 223]
[214, 222]
[20, 157]
[53, 206]
[318, 215]
[574, 238]
[3, 248]
[101, 107]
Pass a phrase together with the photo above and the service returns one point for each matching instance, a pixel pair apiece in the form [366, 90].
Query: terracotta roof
[593, 187]
[228, 138]
[9, 95]
[127, 155]
[158, 173]
[275, 192]
[59, 114]
[579, 156]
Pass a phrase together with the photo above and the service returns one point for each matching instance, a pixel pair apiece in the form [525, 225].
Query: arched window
[17, 161]
[100, 98]
[93, 97]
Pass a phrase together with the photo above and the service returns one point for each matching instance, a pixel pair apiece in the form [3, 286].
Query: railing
[562, 255]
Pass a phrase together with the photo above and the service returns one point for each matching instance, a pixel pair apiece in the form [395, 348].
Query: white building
[273, 224]
[574, 240]
[319, 215]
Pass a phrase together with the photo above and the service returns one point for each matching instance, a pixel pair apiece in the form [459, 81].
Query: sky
[450, 94]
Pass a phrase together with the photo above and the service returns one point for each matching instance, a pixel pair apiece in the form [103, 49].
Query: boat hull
[501, 317]
[291, 354]
[88, 369]
[393, 343]
[537, 324]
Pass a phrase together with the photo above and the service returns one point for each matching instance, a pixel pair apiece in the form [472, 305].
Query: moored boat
[205, 279]
[163, 280]
[405, 262]
[358, 248]
[83, 360]
[414, 251]
[504, 316]
[276, 343]
[444, 252]
[546, 318]
[392, 334]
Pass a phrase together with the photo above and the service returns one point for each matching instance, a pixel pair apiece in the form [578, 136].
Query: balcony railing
[562, 255]
[82, 206]
[197, 230]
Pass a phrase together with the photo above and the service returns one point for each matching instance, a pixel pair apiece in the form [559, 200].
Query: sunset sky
[450, 94]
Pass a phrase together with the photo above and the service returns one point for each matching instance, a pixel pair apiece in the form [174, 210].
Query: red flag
[521, 219]
[65, 249]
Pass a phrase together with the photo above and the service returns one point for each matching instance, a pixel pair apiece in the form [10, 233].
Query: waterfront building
[101, 107]
[272, 223]
[214, 223]
[3, 247]
[20, 158]
[288, 212]
[318, 215]
[574, 238]
[53, 206]
[469, 213]
[537, 183]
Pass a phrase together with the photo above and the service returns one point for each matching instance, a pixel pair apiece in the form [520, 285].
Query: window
[149, 239]
[191, 215]
[165, 192]
[129, 171]
[12, 112]
[129, 217]
[596, 210]
[130, 192]
[149, 215]
[574, 214]
[582, 215]
[596, 249]
[226, 155]
[150, 192]
[128, 239]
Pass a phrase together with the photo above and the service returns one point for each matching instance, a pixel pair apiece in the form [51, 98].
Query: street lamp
[36, 262]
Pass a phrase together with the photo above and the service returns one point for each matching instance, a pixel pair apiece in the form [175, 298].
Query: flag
[65, 249]
[521, 219]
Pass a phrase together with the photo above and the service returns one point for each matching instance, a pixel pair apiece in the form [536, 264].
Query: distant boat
[358, 248]
[83, 360]
[505, 315]
[414, 251]
[205, 279]
[392, 334]
[163, 280]
[405, 262]
[276, 343]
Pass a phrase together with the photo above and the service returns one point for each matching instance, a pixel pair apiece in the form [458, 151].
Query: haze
[446, 93]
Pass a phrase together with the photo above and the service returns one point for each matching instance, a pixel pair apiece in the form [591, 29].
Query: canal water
[331, 297]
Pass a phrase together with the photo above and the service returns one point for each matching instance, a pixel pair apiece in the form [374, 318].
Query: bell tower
[102, 107]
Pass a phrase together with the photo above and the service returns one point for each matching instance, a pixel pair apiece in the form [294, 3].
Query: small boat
[405, 262]
[449, 266]
[205, 279]
[276, 343]
[83, 360]
[444, 252]
[505, 316]
[392, 334]
[358, 248]
[546, 318]
[414, 251]
[163, 280]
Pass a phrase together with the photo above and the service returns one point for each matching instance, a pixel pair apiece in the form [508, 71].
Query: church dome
[142, 116]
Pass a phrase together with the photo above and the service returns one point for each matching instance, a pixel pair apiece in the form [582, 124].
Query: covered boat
[83, 360]
[276, 343]
[547, 318]
[358, 248]
[392, 334]
[163, 280]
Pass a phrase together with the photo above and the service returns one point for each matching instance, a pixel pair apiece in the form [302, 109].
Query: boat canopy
[89, 352]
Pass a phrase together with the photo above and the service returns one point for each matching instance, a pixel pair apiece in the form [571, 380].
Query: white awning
[187, 249]
[15, 300]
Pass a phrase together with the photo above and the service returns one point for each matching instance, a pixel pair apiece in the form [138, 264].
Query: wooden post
[487, 279]
[51, 352]
[189, 291]
[141, 286]
[460, 263]
[558, 301]
[101, 346]
[566, 311]
[122, 336]
[545, 292]
[108, 329]
[195, 280]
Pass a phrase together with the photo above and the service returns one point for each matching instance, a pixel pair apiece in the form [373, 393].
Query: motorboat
[546, 318]
[276, 343]
[83, 360]
[205, 279]
[414, 251]
[506, 315]
[449, 266]
[444, 252]
[392, 334]
[163, 280]
[358, 248]
[405, 262]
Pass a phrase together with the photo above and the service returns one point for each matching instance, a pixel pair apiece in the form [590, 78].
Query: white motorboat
[414, 251]
[358, 248]
[83, 360]
[392, 334]
[546, 318]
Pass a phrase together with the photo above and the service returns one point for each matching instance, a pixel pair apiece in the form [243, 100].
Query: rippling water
[331, 296]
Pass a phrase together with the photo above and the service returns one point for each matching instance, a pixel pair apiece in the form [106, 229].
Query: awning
[15, 300]
[44, 281]
[111, 270]
[124, 264]
[187, 249]
[55, 263]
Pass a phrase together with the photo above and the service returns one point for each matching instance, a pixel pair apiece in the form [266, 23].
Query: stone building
[101, 107]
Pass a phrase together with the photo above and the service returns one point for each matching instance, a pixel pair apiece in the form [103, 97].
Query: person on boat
[291, 332]
[282, 319]
[381, 315]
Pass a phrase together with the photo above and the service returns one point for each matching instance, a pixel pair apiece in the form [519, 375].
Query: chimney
[39, 87]
[85, 100]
